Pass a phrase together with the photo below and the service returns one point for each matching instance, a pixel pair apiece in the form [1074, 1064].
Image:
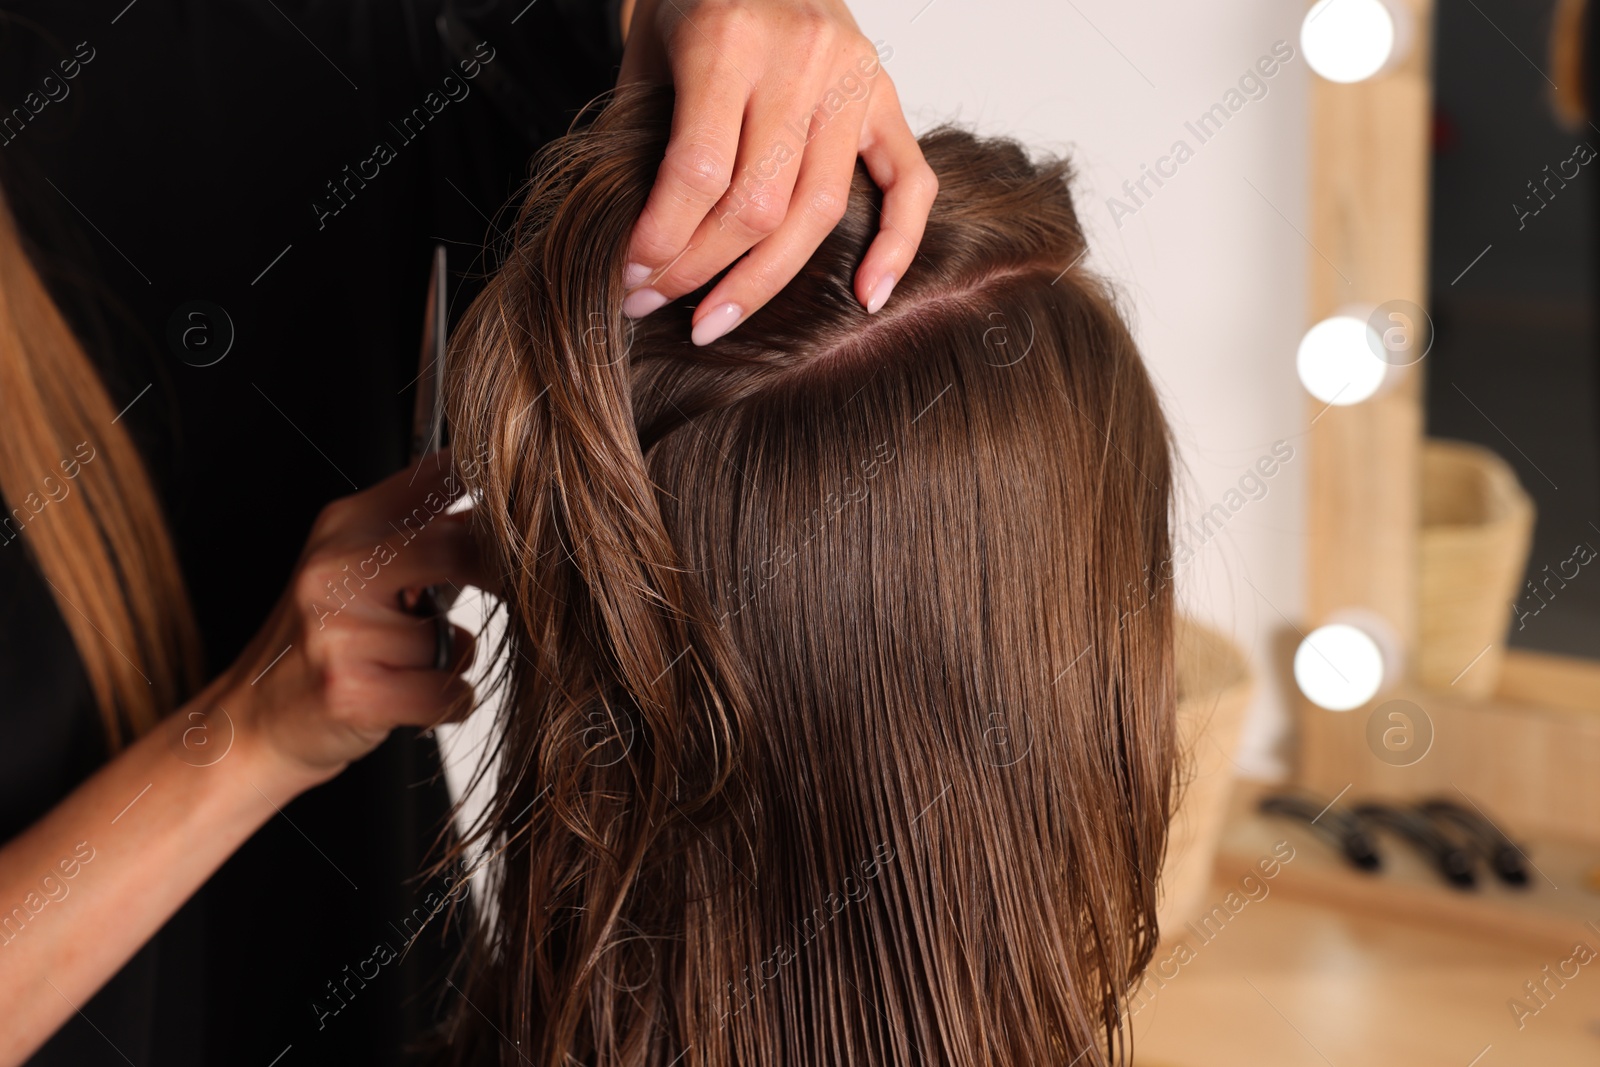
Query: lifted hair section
[837, 719]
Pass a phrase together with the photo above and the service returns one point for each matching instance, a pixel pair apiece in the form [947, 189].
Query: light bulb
[1338, 667]
[1348, 40]
[1337, 363]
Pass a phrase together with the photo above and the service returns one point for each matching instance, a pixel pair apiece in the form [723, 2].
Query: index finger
[697, 167]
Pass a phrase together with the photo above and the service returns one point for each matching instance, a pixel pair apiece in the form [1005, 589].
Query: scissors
[427, 436]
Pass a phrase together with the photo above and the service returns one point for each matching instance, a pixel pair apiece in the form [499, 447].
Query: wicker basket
[1477, 524]
[1214, 688]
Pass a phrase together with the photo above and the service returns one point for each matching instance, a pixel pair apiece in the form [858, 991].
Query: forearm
[83, 888]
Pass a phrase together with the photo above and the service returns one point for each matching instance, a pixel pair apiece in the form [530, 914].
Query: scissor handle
[429, 603]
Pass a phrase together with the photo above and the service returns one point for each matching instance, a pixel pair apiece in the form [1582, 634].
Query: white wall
[1214, 270]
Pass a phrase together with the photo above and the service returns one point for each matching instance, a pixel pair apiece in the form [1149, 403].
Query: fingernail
[634, 275]
[641, 302]
[720, 321]
[880, 293]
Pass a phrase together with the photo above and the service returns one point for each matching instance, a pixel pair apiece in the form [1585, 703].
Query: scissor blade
[427, 435]
[427, 418]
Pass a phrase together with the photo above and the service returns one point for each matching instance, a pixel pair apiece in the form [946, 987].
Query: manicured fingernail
[880, 293]
[634, 275]
[720, 321]
[641, 302]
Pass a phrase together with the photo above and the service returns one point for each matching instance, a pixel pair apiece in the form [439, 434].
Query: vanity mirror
[1453, 510]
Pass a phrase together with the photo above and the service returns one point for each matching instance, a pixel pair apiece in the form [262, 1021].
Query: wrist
[224, 727]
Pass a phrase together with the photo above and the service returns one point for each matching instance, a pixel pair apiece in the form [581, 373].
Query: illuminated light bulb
[1339, 667]
[1349, 40]
[1337, 363]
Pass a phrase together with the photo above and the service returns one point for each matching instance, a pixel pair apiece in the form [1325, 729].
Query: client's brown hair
[838, 717]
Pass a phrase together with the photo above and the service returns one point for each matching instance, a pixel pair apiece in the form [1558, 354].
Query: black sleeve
[561, 54]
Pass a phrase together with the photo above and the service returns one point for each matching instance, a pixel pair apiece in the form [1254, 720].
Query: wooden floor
[1335, 969]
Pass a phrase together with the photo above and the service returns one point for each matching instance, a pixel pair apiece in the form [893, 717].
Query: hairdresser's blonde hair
[102, 545]
[1569, 44]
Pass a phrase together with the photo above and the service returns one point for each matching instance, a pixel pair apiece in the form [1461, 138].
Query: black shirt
[291, 162]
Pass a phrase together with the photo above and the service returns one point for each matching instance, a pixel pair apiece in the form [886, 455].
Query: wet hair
[837, 717]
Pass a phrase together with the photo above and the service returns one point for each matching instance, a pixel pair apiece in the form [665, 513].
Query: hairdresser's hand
[322, 684]
[339, 664]
[775, 99]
